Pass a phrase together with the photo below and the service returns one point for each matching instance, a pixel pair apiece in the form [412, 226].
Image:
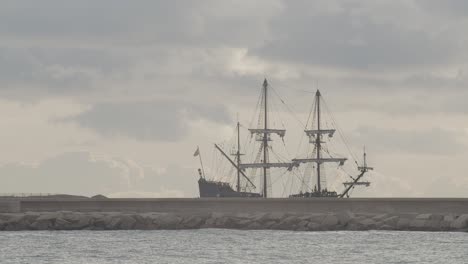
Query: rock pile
[279, 221]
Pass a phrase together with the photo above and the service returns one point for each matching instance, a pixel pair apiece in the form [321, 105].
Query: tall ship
[253, 178]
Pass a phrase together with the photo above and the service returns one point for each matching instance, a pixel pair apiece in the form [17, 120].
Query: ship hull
[315, 195]
[221, 189]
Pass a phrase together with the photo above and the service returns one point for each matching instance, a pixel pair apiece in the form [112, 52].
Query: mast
[263, 134]
[318, 141]
[315, 137]
[235, 165]
[265, 139]
[238, 157]
[356, 181]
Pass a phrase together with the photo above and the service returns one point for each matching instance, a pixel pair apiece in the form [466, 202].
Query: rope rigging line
[287, 106]
[311, 111]
[343, 137]
[302, 180]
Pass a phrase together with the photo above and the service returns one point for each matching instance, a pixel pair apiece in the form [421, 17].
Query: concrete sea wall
[282, 214]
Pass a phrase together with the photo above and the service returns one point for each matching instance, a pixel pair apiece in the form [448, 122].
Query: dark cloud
[162, 121]
[33, 72]
[347, 38]
[208, 23]
[454, 9]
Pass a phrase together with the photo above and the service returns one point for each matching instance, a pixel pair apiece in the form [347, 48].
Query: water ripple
[231, 246]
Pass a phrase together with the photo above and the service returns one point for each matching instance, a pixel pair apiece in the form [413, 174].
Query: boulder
[460, 222]
[437, 217]
[42, 224]
[367, 224]
[290, 222]
[61, 224]
[268, 224]
[5, 216]
[330, 222]
[48, 216]
[449, 218]
[434, 225]
[316, 218]
[243, 215]
[345, 217]
[16, 222]
[446, 223]
[259, 216]
[314, 227]
[276, 216]
[16, 218]
[254, 226]
[113, 223]
[391, 221]
[302, 225]
[98, 221]
[18, 226]
[380, 217]
[167, 221]
[80, 221]
[244, 223]
[209, 223]
[418, 224]
[403, 223]
[423, 216]
[127, 222]
[192, 222]
[144, 221]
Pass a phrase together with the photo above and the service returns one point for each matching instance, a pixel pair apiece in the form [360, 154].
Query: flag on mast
[197, 152]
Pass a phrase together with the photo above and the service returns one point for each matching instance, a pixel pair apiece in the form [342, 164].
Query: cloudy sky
[113, 97]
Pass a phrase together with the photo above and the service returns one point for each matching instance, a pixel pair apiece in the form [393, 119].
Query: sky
[113, 97]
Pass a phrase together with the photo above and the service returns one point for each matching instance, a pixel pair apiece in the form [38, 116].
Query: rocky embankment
[278, 221]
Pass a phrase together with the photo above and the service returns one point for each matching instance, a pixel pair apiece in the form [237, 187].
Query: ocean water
[232, 246]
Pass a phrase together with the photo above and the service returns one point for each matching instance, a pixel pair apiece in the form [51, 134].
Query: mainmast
[263, 135]
[265, 139]
[318, 142]
[315, 137]
[238, 157]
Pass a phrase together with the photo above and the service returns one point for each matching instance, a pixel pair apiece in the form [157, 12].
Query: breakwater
[282, 214]
[276, 221]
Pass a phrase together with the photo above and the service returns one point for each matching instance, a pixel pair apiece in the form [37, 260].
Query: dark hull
[220, 189]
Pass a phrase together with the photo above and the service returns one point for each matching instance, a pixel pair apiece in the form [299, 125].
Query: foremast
[264, 135]
[315, 137]
[355, 181]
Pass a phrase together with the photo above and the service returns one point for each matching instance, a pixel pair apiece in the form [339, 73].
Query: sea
[232, 246]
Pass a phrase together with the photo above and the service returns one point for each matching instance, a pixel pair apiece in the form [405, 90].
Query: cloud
[146, 22]
[83, 173]
[70, 173]
[453, 9]
[435, 141]
[167, 73]
[358, 35]
[27, 73]
[162, 120]
[385, 186]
